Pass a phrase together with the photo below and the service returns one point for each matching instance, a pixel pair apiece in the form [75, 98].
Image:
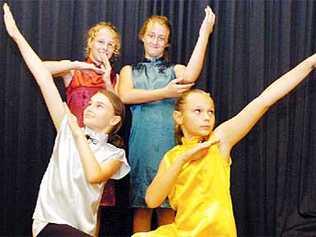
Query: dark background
[254, 42]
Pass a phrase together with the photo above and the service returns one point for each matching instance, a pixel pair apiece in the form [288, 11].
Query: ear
[178, 118]
[115, 120]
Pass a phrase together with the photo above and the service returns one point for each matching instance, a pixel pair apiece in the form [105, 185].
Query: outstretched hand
[208, 22]
[9, 22]
[88, 66]
[200, 150]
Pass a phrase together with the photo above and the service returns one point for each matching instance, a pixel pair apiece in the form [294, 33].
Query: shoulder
[126, 67]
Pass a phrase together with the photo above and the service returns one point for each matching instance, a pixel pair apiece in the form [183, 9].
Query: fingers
[184, 87]
[97, 70]
[106, 62]
[209, 15]
[177, 80]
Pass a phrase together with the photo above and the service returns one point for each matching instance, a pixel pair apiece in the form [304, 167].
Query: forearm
[139, 96]
[287, 82]
[162, 185]
[195, 64]
[59, 67]
[34, 63]
[90, 165]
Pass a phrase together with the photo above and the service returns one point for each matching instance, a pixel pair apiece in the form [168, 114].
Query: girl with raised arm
[82, 160]
[195, 175]
[151, 86]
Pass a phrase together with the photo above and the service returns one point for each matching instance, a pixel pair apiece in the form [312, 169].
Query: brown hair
[162, 20]
[96, 28]
[180, 107]
[119, 110]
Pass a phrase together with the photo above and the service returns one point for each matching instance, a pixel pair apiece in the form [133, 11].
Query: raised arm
[233, 130]
[39, 71]
[63, 68]
[191, 72]
[130, 95]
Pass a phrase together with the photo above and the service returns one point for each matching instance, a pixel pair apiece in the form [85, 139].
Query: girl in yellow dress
[195, 175]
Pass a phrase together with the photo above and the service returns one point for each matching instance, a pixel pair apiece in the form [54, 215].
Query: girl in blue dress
[151, 87]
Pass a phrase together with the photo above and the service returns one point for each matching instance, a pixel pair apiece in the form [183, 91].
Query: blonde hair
[180, 107]
[162, 20]
[96, 28]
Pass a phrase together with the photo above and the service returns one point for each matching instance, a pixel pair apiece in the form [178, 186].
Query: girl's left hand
[72, 122]
[208, 22]
[9, 22]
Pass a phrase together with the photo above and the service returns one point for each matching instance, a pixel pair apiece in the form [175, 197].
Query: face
[103, 45]
[155, 40]
[198, 117]
[99, 114]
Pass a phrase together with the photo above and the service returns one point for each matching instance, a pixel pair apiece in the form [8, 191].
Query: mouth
[206, 127]
[88, 115]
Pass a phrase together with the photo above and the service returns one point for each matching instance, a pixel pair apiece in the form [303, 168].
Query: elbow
[96, 180]
[124, 98]
[151, 202]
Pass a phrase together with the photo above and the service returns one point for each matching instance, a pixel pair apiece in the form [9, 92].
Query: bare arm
[39, 71]
[94, 172]
[233, 130]
[64, 68]
[165, 179]
[130, 95]
[191, 72]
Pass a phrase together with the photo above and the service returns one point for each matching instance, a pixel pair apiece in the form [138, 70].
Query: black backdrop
[254, 42]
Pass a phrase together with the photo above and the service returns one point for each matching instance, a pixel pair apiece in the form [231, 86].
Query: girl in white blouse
[72, 185]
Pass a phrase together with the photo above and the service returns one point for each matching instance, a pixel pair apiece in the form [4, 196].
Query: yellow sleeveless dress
[201, 197]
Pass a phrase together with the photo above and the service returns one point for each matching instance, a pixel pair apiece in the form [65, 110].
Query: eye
[110, 45]
[161, 38]
[197, 111]
[151, 36]
[211, 112]
[100, 106]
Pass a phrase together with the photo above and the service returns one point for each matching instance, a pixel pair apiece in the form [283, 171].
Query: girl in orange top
[83, 79]
[195, 175]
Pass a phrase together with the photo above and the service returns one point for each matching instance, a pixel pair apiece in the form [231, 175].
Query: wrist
[78, 133]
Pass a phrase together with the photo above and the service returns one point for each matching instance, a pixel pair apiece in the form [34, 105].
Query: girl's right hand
[87, 66]
[199, 151]
[174, 89]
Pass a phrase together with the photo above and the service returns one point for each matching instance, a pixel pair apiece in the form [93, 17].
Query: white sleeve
[119, 154]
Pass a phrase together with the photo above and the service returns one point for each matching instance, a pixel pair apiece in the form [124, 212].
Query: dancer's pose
[195, 175]
[151, 87]
[82, 160]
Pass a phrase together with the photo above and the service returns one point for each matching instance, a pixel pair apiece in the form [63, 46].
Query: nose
[155, 40]
[207, 116]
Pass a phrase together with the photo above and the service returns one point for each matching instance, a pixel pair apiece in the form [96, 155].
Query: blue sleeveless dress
[152, 128]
